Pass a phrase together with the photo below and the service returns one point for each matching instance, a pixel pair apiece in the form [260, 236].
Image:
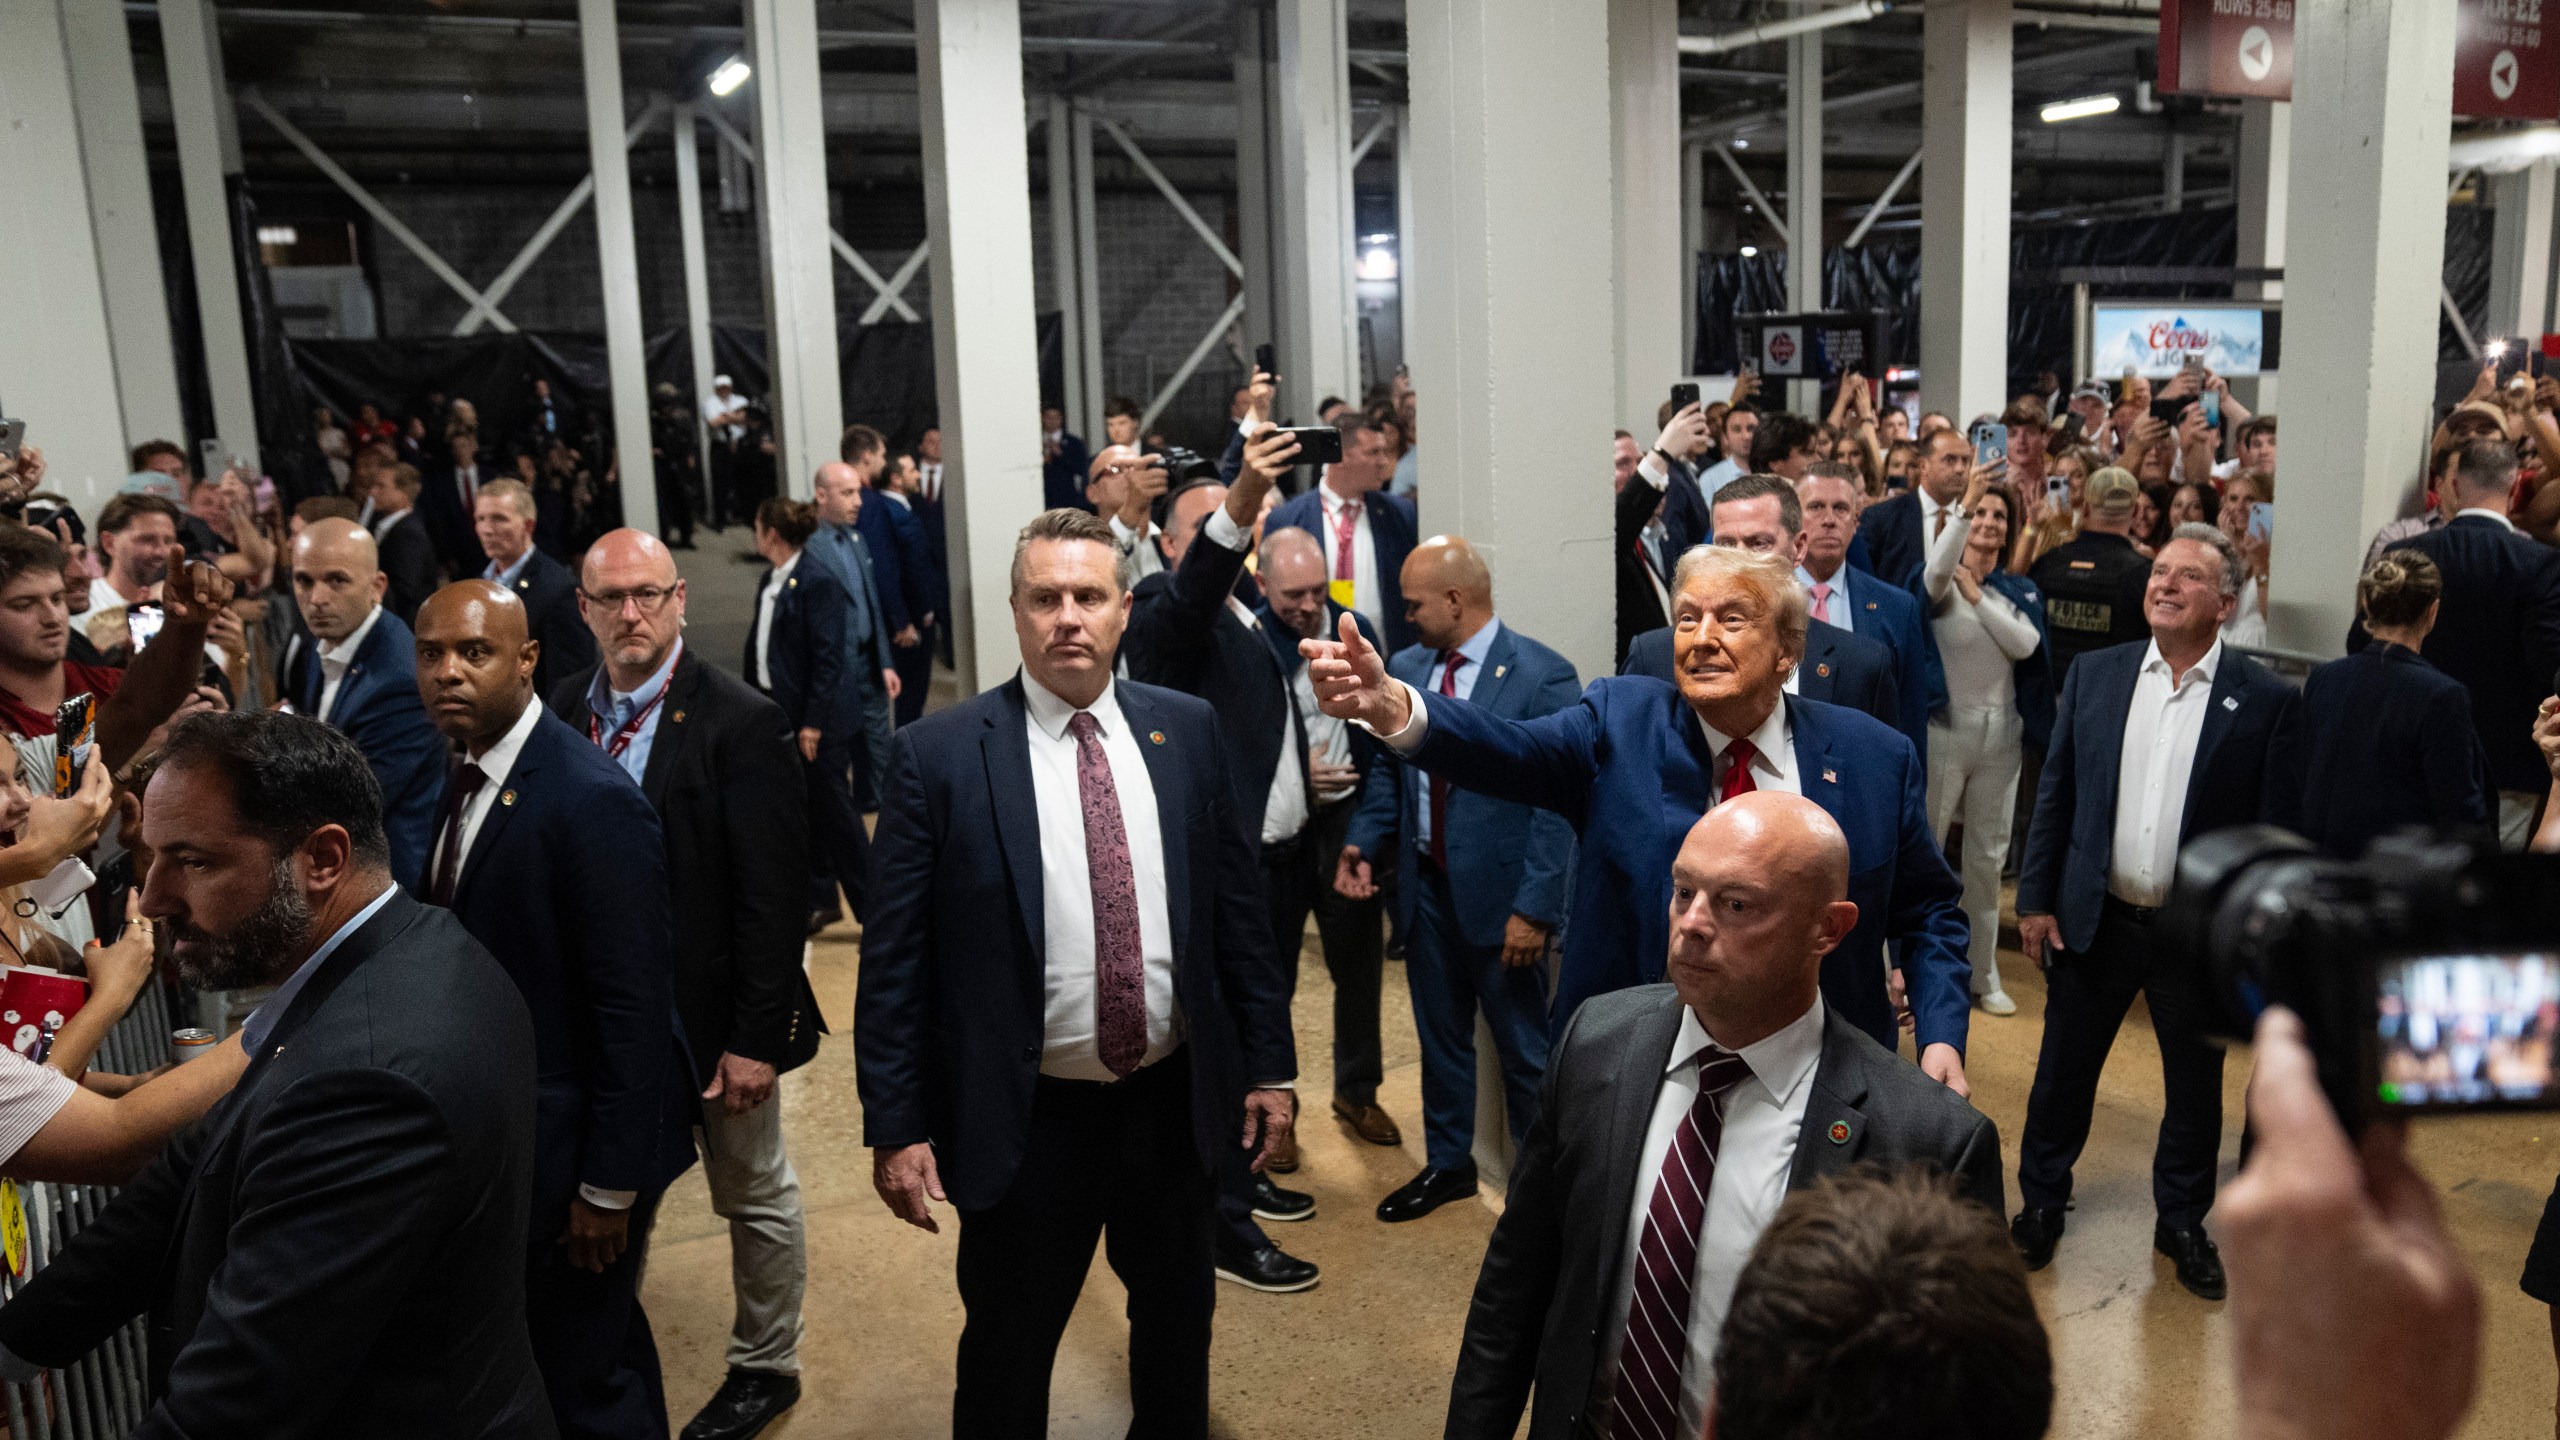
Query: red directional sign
[2232, 47]
[2501, 67]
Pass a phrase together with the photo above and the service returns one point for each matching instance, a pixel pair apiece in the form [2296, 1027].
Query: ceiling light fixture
[2061, 110]
[732, 73]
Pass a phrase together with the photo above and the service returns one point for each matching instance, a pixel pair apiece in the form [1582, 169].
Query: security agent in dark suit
[920, 562]
[2387, 739]
[358, 673]
[1063, 462]
[1353, 496]
[1852, 599]
[1675, 1120]
[1840, 667]
[449, 503]
[407, 555]
[1067, 1011]
[552, 858]
[2499, 632]
[337, 1249]
[721, 766]
[2153, 744]
[504, 520]
[1897, 531]
[796, 655]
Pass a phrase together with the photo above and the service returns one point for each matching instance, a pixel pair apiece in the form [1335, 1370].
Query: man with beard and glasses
[549, 853]
[337, 1248]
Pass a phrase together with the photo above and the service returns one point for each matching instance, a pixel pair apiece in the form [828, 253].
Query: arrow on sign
[2257, 52]
[2502, 75]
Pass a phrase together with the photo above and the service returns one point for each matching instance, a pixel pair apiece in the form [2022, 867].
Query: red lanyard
[629, 730]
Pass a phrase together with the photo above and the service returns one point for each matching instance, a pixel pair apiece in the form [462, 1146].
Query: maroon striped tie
[1646, 1402]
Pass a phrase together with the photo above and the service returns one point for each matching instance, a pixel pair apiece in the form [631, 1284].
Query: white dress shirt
[930, 473]
[1763, 1116]
[1144, 558]
[1286, 808]
[767, 601]
[1930, 510]
[2160, 733]
[336, 658]
[1069, 1049]
[1364, 596]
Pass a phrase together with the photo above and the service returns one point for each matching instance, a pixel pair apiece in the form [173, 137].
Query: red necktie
[1344, 525]
[1440, 787]
[1645, 1404]
[1119, 961]
[1737, 770]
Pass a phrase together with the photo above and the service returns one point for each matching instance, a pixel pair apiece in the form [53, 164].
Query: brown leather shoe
[1369, 1123]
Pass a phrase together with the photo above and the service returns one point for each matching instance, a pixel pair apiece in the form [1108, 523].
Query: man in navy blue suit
[1637, 762]
[1897, 531]
[1063, 461]
[1483, 880]
[361, 678]
[552, 858]
[920, 566]
[871, 623]
[1852, 599]
[1366, 532]
[2154, 744]
[1068, 1011]
[503, 518]
[796, 654]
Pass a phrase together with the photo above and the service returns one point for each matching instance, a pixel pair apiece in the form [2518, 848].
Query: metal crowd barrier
[104, 1396]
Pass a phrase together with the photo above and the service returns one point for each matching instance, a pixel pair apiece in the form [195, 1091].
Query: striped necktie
[1645, 1404]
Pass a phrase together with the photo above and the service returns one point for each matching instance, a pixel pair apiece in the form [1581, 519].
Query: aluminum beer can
[187, 1044]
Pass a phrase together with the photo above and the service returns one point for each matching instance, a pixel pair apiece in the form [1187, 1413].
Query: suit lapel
[1817, 774]
[2114, 704]
[673, 732]
[1006, 748]
[1641, 1064]
[502, 811]
[1835, 1129]
[2221, 712]
[1813, 672]
[1165, 776]
[1495, 673]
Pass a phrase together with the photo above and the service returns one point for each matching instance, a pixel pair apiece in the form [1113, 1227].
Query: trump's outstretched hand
[1350, 679]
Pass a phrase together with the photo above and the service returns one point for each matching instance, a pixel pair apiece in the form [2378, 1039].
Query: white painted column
[801, 349]
[1645, 151]
[2520, 252]
[208, 157]
[1065, 274]
[2261, 174]
[1319, 329]
[1804, 197]
[985, 337]
[1405, 312]
[1693, 238]
[119, 183]
[1097, 379]
[2372, 97]
[57, 366]
[1964, 207]
[697, 278]
[618, 263]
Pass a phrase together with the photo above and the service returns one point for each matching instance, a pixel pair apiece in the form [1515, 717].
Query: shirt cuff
[1275, 1085]
[1652, 468]
[608, 1199]
[1416, 729]
[1250, 427]
[15, 1370]
[1223, 531]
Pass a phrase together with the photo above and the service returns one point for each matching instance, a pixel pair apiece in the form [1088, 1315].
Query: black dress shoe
[1270, 1269]
[2191, 1250]
[745, 1403]
[1427, 1192]
[1270, 1202]
[2036, 1232]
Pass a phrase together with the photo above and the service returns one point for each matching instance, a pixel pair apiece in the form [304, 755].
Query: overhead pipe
[1761, 34]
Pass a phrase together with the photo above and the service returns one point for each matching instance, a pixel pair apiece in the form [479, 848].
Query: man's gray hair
[1067, 524]
[1769, 576]
[2233, 571]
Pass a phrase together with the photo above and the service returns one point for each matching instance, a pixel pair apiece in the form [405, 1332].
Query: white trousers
[754, 1188]
[1974, 755]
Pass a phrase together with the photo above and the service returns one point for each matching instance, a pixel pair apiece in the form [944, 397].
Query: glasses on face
[647, 597]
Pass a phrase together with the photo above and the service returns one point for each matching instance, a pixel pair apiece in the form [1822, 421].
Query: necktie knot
[1719, 1070]
[1737, 769]
[1084, 727]
[1821, 598]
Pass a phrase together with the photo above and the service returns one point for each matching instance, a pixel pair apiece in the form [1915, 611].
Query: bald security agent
[1676, 1119]
[721, 766]
[503, 518]
[337, 1249]
[552, 858]
[1067, 1016]
[360, 678]
[1635, 764]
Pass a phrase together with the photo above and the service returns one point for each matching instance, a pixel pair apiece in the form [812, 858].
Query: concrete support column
[57, 365]
[1646, 153]
[208, 158]
[1319, 321]
[1097, 380]
[119, 183]
[2520, 252]
[2261, 180]
[1964, 207]
[697, 277]
[618, 263]
[1065, 272]
[799, 262]
[1693, 239]
[1804, 196]
[2373, 90]
[985, 335]
[1257, 176]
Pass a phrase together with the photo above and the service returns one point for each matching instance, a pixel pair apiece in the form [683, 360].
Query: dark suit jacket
[866, 618]
[377, 706]
[2252, 723]
[2498, 633]
[567, 886]
[806, 650]
[948, 1019]
[338, 1247]
[1641, 587]
[550, 596]
[1629, 768]
[2387, 741]
[1505, 858]
[919, 554]
[724, 777]
[1896, 549]
[1062, 476]
[1893, 617]
[1392, 533]
[1540, 1314]
[408, 556]
[890, 550]
[449, 522]
[1840, 667]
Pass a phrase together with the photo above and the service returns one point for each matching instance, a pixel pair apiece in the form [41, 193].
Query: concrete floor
[1370, 1350]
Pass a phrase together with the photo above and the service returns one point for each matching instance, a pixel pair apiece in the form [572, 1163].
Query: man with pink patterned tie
[1068, 1003]
[1675, 1120]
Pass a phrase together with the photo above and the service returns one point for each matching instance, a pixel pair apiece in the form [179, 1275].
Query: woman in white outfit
[1989, 624]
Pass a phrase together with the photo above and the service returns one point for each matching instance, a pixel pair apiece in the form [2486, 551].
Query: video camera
[1182, 466]
[2427, 974]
